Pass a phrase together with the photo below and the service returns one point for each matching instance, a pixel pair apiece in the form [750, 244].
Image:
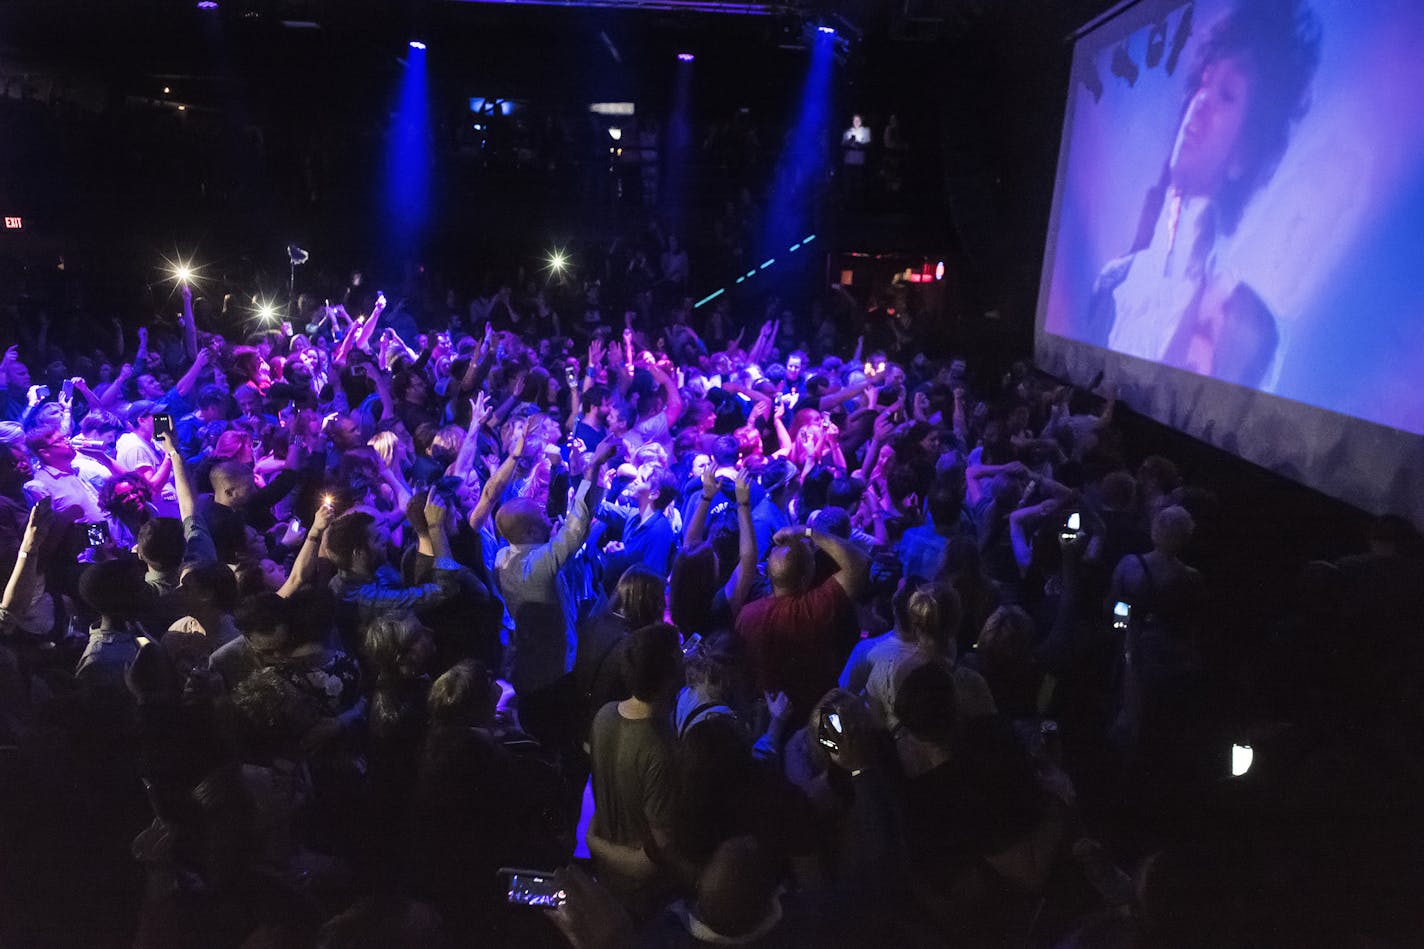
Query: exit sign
[14, 223]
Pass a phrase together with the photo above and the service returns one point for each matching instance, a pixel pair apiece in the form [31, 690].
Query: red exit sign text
[14, 223]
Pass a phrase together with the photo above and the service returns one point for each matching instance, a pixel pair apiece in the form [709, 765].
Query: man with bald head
[538, 596]
[798, 637]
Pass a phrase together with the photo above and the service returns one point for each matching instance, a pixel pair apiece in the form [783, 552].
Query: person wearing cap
[137, 451]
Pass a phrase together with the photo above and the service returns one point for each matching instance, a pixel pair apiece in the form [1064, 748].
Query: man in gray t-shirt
[630, 748]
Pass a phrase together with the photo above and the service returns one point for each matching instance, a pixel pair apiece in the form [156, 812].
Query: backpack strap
[694, 715]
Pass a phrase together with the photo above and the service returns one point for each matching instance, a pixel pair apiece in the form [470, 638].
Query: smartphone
[42, 392]
[691, 644]
[532, 888]
[831, 731]
[162, 423]
[1122, 612]
[571, 373]
[1073, 529]
[68, 389]
[97, 534]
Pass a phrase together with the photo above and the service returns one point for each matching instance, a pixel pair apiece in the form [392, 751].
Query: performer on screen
[1171, 299]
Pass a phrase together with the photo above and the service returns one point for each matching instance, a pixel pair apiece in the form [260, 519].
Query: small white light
[615, 133]
[1241, 758]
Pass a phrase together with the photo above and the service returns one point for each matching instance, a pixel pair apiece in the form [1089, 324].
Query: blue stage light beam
[804, 165]
[411, 157]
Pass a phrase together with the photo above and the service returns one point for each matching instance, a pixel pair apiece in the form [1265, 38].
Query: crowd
[791, 644]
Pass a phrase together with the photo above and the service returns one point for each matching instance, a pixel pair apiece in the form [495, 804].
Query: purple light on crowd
[417, 44]
[685, 57]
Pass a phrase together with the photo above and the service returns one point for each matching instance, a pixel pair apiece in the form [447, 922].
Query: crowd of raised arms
[829, 634]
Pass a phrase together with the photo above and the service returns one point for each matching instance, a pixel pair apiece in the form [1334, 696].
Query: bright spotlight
[417, 44]
[557, 261]
[615, 133]
[829, 30]
[1241, 758]
[267, 311]
[685, 57]
[181, 271]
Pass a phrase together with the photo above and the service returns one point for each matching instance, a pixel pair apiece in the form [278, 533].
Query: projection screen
[1237, 234]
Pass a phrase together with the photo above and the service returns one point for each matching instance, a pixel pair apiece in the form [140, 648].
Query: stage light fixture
[557, 261]
[267, 311]
[417, 44]
[207, 4]
[615, 133]
[828, 30]
[685, 57]
[939, 271]
[166, 90]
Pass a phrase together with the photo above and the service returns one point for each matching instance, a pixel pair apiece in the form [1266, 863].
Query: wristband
[806, 532]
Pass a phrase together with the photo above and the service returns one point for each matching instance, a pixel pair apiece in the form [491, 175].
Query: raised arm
[586, 499]
[190, 378]
[499, 479]
[852, 565]
[19, 589]
[465, 460]
[673, 409]
[746, 572]
[845, 393]
[697, 527]
[304, 567]
[190, 327]
[198, 546]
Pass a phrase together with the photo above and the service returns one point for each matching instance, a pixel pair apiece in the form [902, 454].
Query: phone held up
[1073, 529]
[532, 888]
[162, 424]
[831, 731]
[1122, 612]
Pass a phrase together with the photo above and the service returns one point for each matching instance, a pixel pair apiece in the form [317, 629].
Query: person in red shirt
[797, 638]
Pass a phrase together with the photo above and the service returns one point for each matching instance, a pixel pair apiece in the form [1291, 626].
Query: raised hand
[710, 487]
[41, 520]
[743, 486]
[436, 511]
[479, 409]
[608, 449]
[883, 427]
[517, 435]
[788, 536]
